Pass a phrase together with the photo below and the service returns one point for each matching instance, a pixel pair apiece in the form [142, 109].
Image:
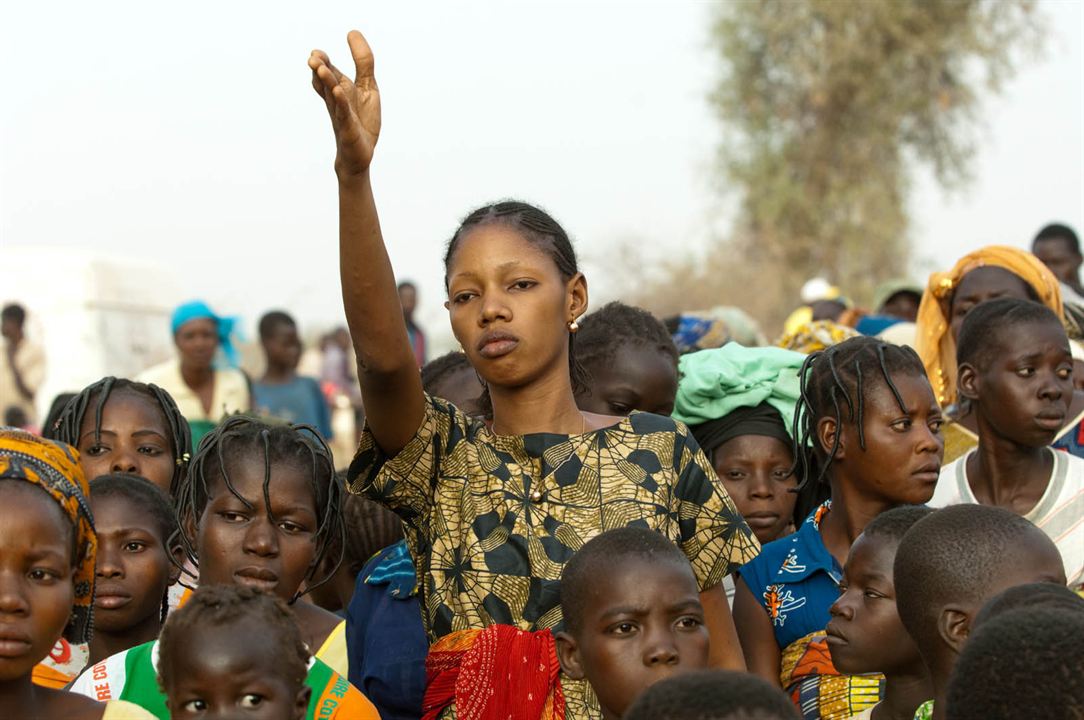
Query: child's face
[510, 307]
[642, 623]
[1025, 391]
[283, 347]
[902, 458]
[134, 439]
[132, 568]
[865, 634]
[239, 544]
[756, 471]
[36, 577]
[229, 671]
[639, 378]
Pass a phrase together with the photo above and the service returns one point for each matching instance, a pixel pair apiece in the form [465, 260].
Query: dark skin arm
[725, 651]
[762, 655]
[391, 387]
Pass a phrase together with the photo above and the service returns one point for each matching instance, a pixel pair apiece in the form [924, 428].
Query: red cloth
[499, 673]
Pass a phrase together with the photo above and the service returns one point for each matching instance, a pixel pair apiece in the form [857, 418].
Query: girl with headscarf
[739, 403]
[991, 272]
[204, 380]
[47, 551]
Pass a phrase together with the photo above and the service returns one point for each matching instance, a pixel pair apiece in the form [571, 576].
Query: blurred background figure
[22, 369]
[282, 393]
[203, 379]
[1058, 247]
[408, 298]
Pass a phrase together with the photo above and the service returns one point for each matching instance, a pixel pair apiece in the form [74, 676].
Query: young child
[233, 649]
[138, 560]
[630, 360]
[47, 554]
[119, 425]
[234, 536]
[865, 634]
[712, 695]
[451, 377]
[282, 393]
[1024, 663]
[369, 528]
[1015, 368]
[872, 427]
[632, 616]
[948, 565]
[739, 403]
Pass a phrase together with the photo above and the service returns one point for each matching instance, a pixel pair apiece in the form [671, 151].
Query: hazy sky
[189, 133]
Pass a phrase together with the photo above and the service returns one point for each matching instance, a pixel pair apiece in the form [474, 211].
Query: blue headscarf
[199, 310]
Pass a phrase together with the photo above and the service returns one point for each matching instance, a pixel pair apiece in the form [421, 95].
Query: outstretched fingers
[364, 63]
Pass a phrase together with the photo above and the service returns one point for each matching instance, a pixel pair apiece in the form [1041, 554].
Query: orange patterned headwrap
[54, 467]
[935, 344]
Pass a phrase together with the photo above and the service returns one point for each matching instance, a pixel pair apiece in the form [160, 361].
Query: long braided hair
[538, 228]
[238, 439]
[834, 383]
[67, 426]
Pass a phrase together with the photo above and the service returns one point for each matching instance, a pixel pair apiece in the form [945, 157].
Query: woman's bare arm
[762, 655]
[725, 650]
[390, 384]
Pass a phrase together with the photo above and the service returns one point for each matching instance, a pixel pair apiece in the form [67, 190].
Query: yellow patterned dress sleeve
[712, 532]
[406, 483]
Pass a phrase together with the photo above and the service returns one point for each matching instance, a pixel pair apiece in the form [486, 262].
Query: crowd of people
[579, 514]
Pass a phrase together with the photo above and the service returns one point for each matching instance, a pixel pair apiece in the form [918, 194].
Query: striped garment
[1059, 512]
[132, 675]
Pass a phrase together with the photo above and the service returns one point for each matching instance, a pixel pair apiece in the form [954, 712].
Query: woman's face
[980, 285]
[134, 438]
[757, 474]
[510, 307]
[197, 341]
[36, 577]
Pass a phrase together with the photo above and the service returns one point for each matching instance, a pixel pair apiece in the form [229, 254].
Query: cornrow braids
[235, 440]
[616, 324]
[370, 527]
[834, 383]
[541, 230]
[222, 606]
[434, 371]
[68, 424]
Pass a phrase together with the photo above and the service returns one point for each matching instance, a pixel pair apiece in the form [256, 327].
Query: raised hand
[354, 105]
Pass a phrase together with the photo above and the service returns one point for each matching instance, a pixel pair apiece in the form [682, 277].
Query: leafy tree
[827, 108]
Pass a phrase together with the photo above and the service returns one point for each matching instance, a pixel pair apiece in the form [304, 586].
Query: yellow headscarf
[54, 467]
[934, 341]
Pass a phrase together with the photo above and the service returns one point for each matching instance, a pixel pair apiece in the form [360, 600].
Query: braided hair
[538, 228]
[615, 324]
[834, 382]
[68, 425]
[237, 439]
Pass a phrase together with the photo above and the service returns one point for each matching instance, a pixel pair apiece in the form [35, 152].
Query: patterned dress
[491, 520]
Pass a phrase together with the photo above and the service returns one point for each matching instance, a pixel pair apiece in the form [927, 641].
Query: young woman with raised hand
[493, 508]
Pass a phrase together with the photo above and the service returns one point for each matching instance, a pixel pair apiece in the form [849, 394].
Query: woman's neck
[105, 644]
[278, 375]
[903, 694]
[196, 376]
[851, 511]
[19, 698]
[1006, 474]
[546, 405]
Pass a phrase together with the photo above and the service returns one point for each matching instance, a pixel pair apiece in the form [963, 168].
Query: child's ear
[967, 381]
[176, 552]
[301, 702]
[827, 429]
[568, 654]
[954, 625]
